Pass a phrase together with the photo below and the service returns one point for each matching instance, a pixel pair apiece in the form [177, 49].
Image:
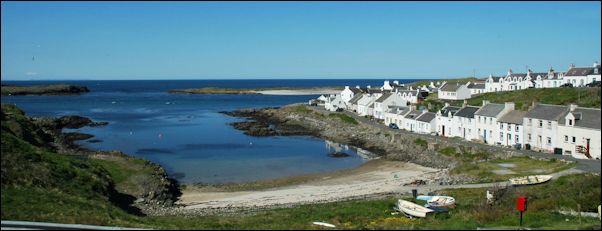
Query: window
[501, 136]
[566, 139]
[549, 124]
[574, 139]
[540, 123]
[549, 140]
[516, 128]
[571, 122]
[529, 136]
[509, 127]
[490, 121]
[517, 140]
[529, 122]
[501, 126]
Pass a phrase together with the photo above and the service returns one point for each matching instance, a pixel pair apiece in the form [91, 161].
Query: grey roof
[427, 117]
[467, 112]
[580, 71]
[374, 90]
[513, 117]
[451, 87]
[547, 112]
[477, 85]
[413, 92]
[496, 78]
[540, 74]
[518, 75]
[383, 97]
[356, 98]
[586, 118]
[451, 109]
[399, 110]
[413, 114]
[490, 110]
[355, 90]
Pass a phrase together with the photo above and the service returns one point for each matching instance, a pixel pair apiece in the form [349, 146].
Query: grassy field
[344, 118]
[584, 97]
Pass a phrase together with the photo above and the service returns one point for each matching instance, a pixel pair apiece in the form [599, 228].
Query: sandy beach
[374, 177]
[311, 91]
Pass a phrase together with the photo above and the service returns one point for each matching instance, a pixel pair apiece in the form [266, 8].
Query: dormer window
[570, 122]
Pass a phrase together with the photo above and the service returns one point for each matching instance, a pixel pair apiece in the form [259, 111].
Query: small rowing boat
[324, 224]
[441, 202]
[412, 209]
[530, 180]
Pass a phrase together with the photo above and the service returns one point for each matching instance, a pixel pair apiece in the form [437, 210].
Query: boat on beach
[530, 180]
[438, 201]
[412, 209]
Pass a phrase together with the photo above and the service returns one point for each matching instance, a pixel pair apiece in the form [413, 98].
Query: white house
[493, 84]
[383, 102]
[476, 88]
[581, 76]
[540, 126]
[348, 93]
[334, 102]
[426, 123]
[445, 118]
[517, 81]
[388, 86]
[364, 103]
[352, 104]
[454, 91]
[579, 133]
[409, 121]
[511, 128]
[464, 123]
[550, 80]
[486, 121]
[395, 115]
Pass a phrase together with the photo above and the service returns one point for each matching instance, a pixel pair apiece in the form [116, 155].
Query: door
[443, 128]
[485, 135]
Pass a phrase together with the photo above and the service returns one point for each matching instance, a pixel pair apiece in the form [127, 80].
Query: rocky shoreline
[57, 89]
[158, 191]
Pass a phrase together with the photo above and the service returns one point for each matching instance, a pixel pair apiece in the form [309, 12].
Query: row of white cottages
[577, 76]
[569, 130]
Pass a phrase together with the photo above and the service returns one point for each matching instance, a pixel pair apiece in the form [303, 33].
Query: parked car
[567, 85]
[393, 126]
[594, 84]
[339, 109]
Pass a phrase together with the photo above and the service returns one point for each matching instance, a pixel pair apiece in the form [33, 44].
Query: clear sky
[251, 40]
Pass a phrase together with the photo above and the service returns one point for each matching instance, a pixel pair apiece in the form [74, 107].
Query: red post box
[521, 204]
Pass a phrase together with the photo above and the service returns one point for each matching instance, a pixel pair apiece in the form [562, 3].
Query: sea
[187, 135]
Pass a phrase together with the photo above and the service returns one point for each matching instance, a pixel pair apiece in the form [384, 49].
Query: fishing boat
[530, 180]
[441, 202]
[412, 209]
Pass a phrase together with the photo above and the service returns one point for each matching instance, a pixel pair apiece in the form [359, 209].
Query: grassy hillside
[459, 80]
[584, 97]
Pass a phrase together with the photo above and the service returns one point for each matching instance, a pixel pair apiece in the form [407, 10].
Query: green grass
[343, 117]
[450, 81]
[421, 142]
[301, 109]
[584, 97]
[523, 166]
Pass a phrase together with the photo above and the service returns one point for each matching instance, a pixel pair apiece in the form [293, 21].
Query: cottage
[352, 104]
[476, 88]
[454, 91]
[348, 93]
[365, 105]
[395, 115]
[517, 81]
[540, 126]
[464, 123]
[579, 133]
[445, 118]
[387, 99]
[511, 128]
[334, 102]
[426, 123]
[486, 121]
[550, 80]
[581, 76]
[409, 121]
[494, 84]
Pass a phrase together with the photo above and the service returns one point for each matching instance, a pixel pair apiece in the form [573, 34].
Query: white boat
[412, 209]
[530, 180]
[324, 224]
[441, 202]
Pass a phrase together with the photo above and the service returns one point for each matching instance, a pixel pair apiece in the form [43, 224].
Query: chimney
[529, 71]
[572, 107]
[396, 82]
[595, 64]
[368, 86]
[571, 66]
[485, 102]
[346, 87]
[386, 82]
[509, 106]
[357, 86]
[510, 71]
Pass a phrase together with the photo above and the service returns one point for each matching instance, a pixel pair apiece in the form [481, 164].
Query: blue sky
[259, 40]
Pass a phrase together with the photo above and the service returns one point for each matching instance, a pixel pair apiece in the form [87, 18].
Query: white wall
[581, 135]
[546, 131]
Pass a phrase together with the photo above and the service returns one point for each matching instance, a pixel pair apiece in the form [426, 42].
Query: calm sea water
[186, 134]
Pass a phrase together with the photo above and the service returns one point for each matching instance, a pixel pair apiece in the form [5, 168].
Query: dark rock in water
[96, 124]
[72, 136]
[73, 122]
[338, 155]
[254, 128]
[94, 141]
[56, 89]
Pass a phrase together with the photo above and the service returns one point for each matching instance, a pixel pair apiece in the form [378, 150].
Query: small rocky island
[55, 89]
